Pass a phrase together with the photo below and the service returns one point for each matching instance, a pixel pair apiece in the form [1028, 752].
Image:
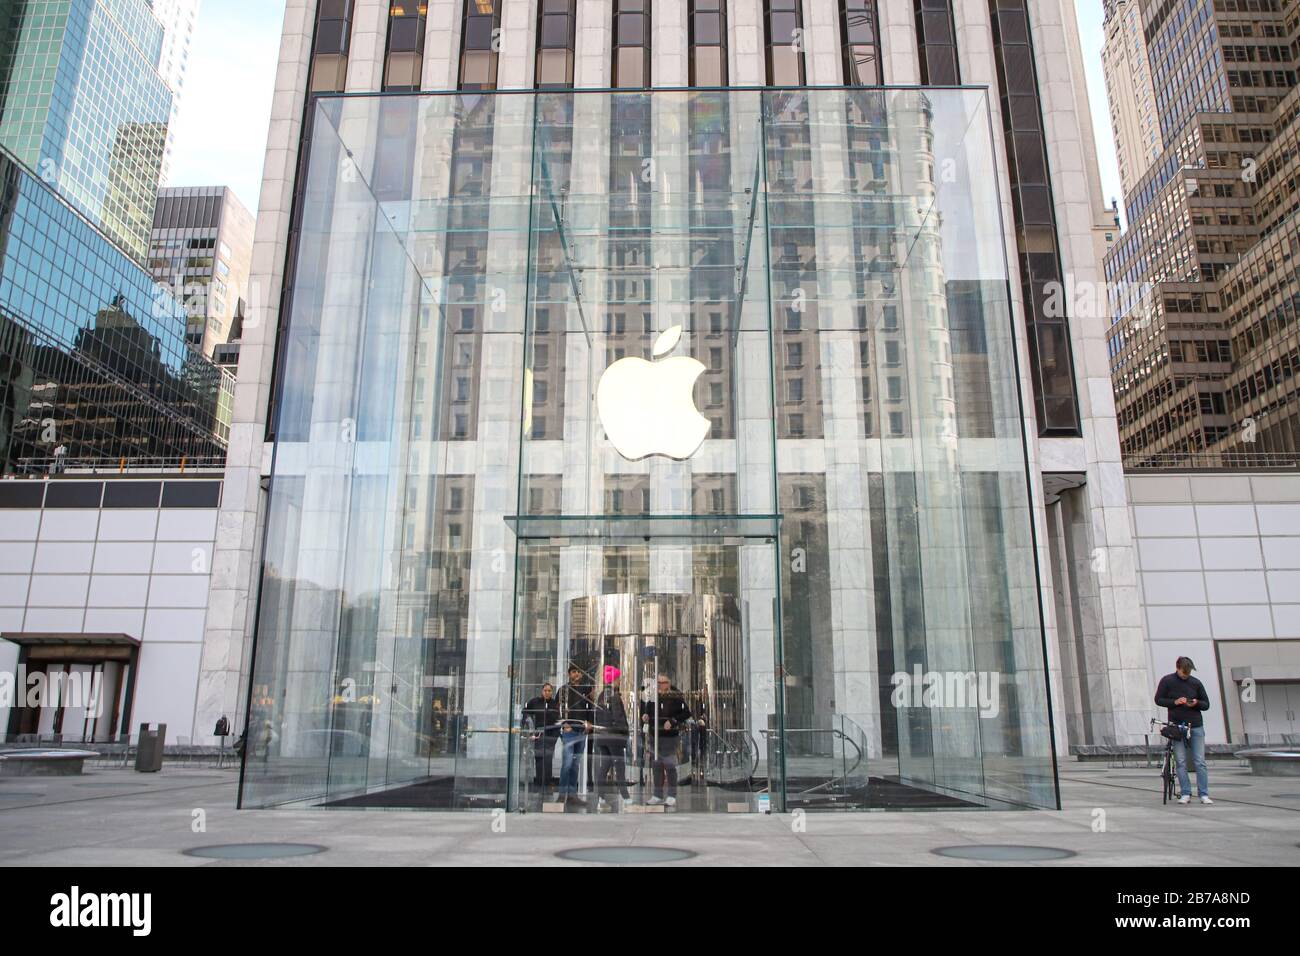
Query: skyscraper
[83, 105]
[499, 236]
[200, 249]
[178, 19]
[95, 371]
[1128, 87]
[1196, 380]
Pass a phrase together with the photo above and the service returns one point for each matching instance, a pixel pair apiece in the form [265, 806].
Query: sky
[221, 138]
[226, 103]
[1092, 38]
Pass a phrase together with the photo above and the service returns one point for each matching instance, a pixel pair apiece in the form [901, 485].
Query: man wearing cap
[1186, 700]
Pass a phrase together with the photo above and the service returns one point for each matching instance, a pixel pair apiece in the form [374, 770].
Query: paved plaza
[115, 817]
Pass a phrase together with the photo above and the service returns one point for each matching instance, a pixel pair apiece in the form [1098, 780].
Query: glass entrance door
[631, 696]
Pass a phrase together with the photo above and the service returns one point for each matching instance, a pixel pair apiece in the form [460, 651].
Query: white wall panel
[72, 524]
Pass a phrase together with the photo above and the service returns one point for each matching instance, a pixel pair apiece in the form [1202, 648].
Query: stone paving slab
[115, 817]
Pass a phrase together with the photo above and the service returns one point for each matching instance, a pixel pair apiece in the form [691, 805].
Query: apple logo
[647, 408]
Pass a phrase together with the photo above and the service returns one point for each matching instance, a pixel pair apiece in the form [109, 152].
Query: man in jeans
[577, 711]
[1186, 700]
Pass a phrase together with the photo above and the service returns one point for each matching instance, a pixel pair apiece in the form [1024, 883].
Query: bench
[43, 763]
[1272, 763]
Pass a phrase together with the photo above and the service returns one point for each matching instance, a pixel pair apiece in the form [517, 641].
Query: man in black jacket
[542, 715]
[577, 710]
[1186, 700]
[662, 718]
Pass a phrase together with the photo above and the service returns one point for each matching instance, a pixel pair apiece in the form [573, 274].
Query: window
[783, 20]
[708, 43]
[329, 61]
[405, 59]
[555, 44]
[631, 44]
[1051, 361]
[861, 43]
[936, 41]
[480, 43]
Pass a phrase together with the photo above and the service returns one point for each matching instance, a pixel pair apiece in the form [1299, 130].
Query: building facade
[1219, 561]
[82, 104]
[95, 372]
[201, 249]
[104, 582]
[457, 467]
[178, 19]
[1129, 90]
[1195, 380]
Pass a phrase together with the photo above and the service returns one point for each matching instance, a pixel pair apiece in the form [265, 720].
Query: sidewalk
[1111, 817]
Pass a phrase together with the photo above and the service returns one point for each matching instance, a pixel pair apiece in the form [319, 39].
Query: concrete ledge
[1086, 753]
[43, 763]
[1272, 763]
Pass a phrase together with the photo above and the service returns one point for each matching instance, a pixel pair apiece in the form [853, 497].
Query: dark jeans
[611, 761]
[663, 765]
[1198, 760]
[544, 760]
[573, 744]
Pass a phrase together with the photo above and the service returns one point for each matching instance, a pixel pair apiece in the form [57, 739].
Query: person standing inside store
[610, 738]
[542, 714]
[662, 718]
[1185, 698]
[577, 710]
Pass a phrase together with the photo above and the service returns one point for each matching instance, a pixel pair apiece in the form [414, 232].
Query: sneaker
[1185, 799]
[601, 804]
[1207, 801]
[672, 801]
[654, 802]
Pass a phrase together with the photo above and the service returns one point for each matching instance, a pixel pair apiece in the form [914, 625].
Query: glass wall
[699, 407]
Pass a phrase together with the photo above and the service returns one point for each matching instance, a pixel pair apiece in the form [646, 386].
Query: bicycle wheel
[1167, 775]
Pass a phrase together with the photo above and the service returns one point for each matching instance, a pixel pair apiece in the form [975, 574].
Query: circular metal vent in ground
[254, 851]
[625, 854]
[1004, 853]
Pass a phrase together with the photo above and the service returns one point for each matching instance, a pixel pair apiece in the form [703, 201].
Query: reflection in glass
[838, 589]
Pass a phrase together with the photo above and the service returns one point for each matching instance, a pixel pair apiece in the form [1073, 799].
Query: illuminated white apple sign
[647, 408]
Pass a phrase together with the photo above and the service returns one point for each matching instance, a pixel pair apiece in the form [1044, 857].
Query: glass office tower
[542, 417]
[95, 373]
[82, 104]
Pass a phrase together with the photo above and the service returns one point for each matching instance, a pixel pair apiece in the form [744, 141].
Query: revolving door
[657, 683]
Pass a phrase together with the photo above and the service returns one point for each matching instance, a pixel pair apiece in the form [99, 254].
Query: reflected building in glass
[95, 373]
[82, 104]
[687, 359]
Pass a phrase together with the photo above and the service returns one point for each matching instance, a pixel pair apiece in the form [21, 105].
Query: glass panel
[916, 566]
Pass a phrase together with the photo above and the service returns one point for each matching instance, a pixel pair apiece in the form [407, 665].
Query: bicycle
[1171, 732]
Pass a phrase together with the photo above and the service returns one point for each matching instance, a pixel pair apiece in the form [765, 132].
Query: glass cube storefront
[700, 407]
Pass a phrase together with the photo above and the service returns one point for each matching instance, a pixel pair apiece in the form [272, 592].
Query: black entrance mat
[437, 793]
[441, 793]
[886, 793]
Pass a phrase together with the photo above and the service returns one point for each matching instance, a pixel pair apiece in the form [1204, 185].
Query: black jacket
[672, 711]
[576, 703]
[543, 714]
[1173, 687]
[611, 716]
